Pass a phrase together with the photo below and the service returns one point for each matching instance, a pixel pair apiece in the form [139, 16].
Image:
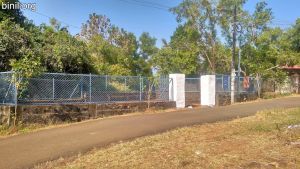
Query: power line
[282, 23]
[136, 2]
[162, 7]
[139, 3]
[41, 14]
[152, 3]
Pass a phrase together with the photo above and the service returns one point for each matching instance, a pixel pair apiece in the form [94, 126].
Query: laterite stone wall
[4, 113]
[47, 114]
[224, 99]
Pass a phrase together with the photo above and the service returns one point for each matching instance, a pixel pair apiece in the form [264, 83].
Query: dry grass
[261, 141]
[22, 128]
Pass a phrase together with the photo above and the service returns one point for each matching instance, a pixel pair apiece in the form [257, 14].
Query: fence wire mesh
[192, 84]
[192, 91]
[7, 88]
[50, 88]
[242, 84]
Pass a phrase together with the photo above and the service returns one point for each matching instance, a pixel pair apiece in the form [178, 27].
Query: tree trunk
[258, 85]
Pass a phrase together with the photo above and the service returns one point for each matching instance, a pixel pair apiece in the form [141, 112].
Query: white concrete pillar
[177, 89]
[208, 90]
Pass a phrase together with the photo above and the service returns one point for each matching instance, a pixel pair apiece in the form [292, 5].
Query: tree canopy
[201, 43]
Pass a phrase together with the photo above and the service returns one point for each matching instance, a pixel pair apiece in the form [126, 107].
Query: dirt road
[24, 151]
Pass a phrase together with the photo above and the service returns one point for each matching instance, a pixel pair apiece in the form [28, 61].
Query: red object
[246, 83]
[296, 67]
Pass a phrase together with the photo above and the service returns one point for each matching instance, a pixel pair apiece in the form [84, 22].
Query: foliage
[266, 53]
[17, 50]
[113, 50]
[200, 22]
[14, 15]
[195, 47]
[171, 61]
[96, 25]
[147, 45]
[291, 44]
[62, 52]
[225, 9]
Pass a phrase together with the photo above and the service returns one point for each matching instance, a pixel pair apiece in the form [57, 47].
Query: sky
[139, 16]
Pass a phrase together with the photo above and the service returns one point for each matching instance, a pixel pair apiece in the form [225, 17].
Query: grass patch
[260, 141]
[19, 129]
[272, 95]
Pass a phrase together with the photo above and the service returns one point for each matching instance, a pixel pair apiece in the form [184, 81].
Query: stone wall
[192, 98]
[47, 114]
[224, 98]
[5, 113]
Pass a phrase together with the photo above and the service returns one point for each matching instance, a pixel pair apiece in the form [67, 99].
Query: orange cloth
[246, 82]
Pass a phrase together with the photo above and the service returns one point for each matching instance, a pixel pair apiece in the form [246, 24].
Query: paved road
[23, 151]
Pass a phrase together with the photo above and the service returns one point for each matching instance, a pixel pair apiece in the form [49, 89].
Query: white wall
[177, 89]
[208, 90]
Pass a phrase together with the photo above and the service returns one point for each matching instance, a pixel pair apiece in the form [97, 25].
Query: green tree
[293, 35]
[61, 52]
[200, 18]
[225, 10]
[168, 60]
[96, 25]
[55, 24]
[107, 58]
[196, 38]
[14, 14]
[181, 55]
[265, 52]
[113, 50]
[17, 46]
[147, 45]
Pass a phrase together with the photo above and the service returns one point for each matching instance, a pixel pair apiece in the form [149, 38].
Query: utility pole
[233, 54]
[239, 67]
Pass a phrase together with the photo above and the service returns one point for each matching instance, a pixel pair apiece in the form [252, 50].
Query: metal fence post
[105, 82]
[16, 92]
[222, 78]
[90, 87]
[16, 102]
[140, 88]
[229, 83]
[81, 87]
[53, 89]
[125, 85]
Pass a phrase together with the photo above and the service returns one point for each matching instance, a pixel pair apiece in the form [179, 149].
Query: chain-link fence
[50, 88]
[242, 84]
[192, 91]
[245, 88]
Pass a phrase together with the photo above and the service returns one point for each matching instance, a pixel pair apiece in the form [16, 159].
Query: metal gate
[192, 91]
[162, 88]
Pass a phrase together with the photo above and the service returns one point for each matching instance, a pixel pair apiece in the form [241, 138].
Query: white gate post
[208, 90]
[177, 89]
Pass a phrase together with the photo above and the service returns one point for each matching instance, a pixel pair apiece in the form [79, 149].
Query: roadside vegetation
[270, 139]
[272, 95]
[19, 129]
